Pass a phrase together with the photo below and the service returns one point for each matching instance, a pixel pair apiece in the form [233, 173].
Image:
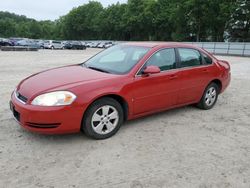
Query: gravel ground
[185, 147]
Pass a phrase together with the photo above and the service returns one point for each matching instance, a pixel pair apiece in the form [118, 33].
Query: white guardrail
[225, 48]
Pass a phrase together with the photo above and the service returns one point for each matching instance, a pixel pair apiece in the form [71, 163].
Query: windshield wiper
[97, 69]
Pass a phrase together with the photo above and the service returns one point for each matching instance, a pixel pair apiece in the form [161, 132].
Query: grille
[21, 97]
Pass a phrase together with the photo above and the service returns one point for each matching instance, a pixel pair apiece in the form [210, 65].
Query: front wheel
[209, 97]
[103, 118]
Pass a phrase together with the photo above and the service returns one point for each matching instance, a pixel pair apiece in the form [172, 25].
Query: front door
[157, 91]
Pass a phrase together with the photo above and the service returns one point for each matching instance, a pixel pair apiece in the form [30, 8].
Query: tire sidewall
[87, 125]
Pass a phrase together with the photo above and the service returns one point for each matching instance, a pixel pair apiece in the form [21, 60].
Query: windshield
[119, 59]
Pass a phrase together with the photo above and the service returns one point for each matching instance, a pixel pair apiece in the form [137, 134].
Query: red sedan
[124, 82]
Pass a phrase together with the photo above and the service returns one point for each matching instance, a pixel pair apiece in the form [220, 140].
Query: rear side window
[190, 57]
[164, 59]
[208, 60]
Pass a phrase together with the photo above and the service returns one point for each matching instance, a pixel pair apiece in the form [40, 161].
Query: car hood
[55, 79]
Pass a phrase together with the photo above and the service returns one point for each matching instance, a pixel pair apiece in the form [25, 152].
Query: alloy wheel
[210, 96]
[105, 119]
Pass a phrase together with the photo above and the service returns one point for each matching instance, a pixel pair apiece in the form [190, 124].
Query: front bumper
[47, 120]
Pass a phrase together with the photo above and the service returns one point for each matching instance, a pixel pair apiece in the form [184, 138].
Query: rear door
[157, 91]
[194, 75]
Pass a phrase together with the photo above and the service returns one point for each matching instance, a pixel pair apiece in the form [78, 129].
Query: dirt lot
[186, 147]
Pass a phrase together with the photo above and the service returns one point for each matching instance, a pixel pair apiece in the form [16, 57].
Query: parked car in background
[74, 45]
[96, 44]
[40, 43]
[93, 45]
[108, 44]
[53, 44]
[84, 43]
[27, 43]
[88, 44]
[6, 42]
[15, 40]
[101, 45]
[105, 45]
[124, 82]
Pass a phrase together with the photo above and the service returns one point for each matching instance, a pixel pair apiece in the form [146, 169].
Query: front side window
[164, 59]
[119, 59]
[189, 57]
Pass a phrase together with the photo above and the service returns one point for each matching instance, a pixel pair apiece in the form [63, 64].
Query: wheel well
[122, 102]
[218, 82]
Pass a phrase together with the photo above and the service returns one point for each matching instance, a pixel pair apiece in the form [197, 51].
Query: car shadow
[58, 138]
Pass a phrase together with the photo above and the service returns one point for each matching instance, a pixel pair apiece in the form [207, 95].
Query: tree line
[164, 20]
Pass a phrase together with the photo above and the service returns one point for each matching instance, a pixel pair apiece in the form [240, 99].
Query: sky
[46, 9]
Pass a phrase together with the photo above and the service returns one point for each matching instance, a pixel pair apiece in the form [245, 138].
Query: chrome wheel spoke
[113, 115]
[99, 127]
[105, 110]
[96, 117]
[213, 93]
[109, 126]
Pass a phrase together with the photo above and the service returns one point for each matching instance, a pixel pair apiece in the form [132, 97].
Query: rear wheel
[103, 118]
[209, 97]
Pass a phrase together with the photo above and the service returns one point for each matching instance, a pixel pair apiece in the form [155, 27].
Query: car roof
[159, 44]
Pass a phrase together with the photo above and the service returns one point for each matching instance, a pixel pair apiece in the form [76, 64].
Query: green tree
[112, 26]
[238, 26]
[83, 22]
[7, 27]
[172, 20]
[139, 19]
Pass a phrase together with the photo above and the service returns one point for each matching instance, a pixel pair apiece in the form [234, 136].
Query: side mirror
[151, 70]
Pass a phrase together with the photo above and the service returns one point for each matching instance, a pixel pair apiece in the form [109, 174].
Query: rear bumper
[47, 120]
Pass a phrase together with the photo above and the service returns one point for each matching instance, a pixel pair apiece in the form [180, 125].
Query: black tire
[204, 102]
[88, 125]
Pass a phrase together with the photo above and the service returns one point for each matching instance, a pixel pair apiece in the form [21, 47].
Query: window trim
[202, 58]
[202, 65]
[178, 60]
[165, 48]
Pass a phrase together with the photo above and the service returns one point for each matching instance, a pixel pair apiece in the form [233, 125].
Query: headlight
[57, 98]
